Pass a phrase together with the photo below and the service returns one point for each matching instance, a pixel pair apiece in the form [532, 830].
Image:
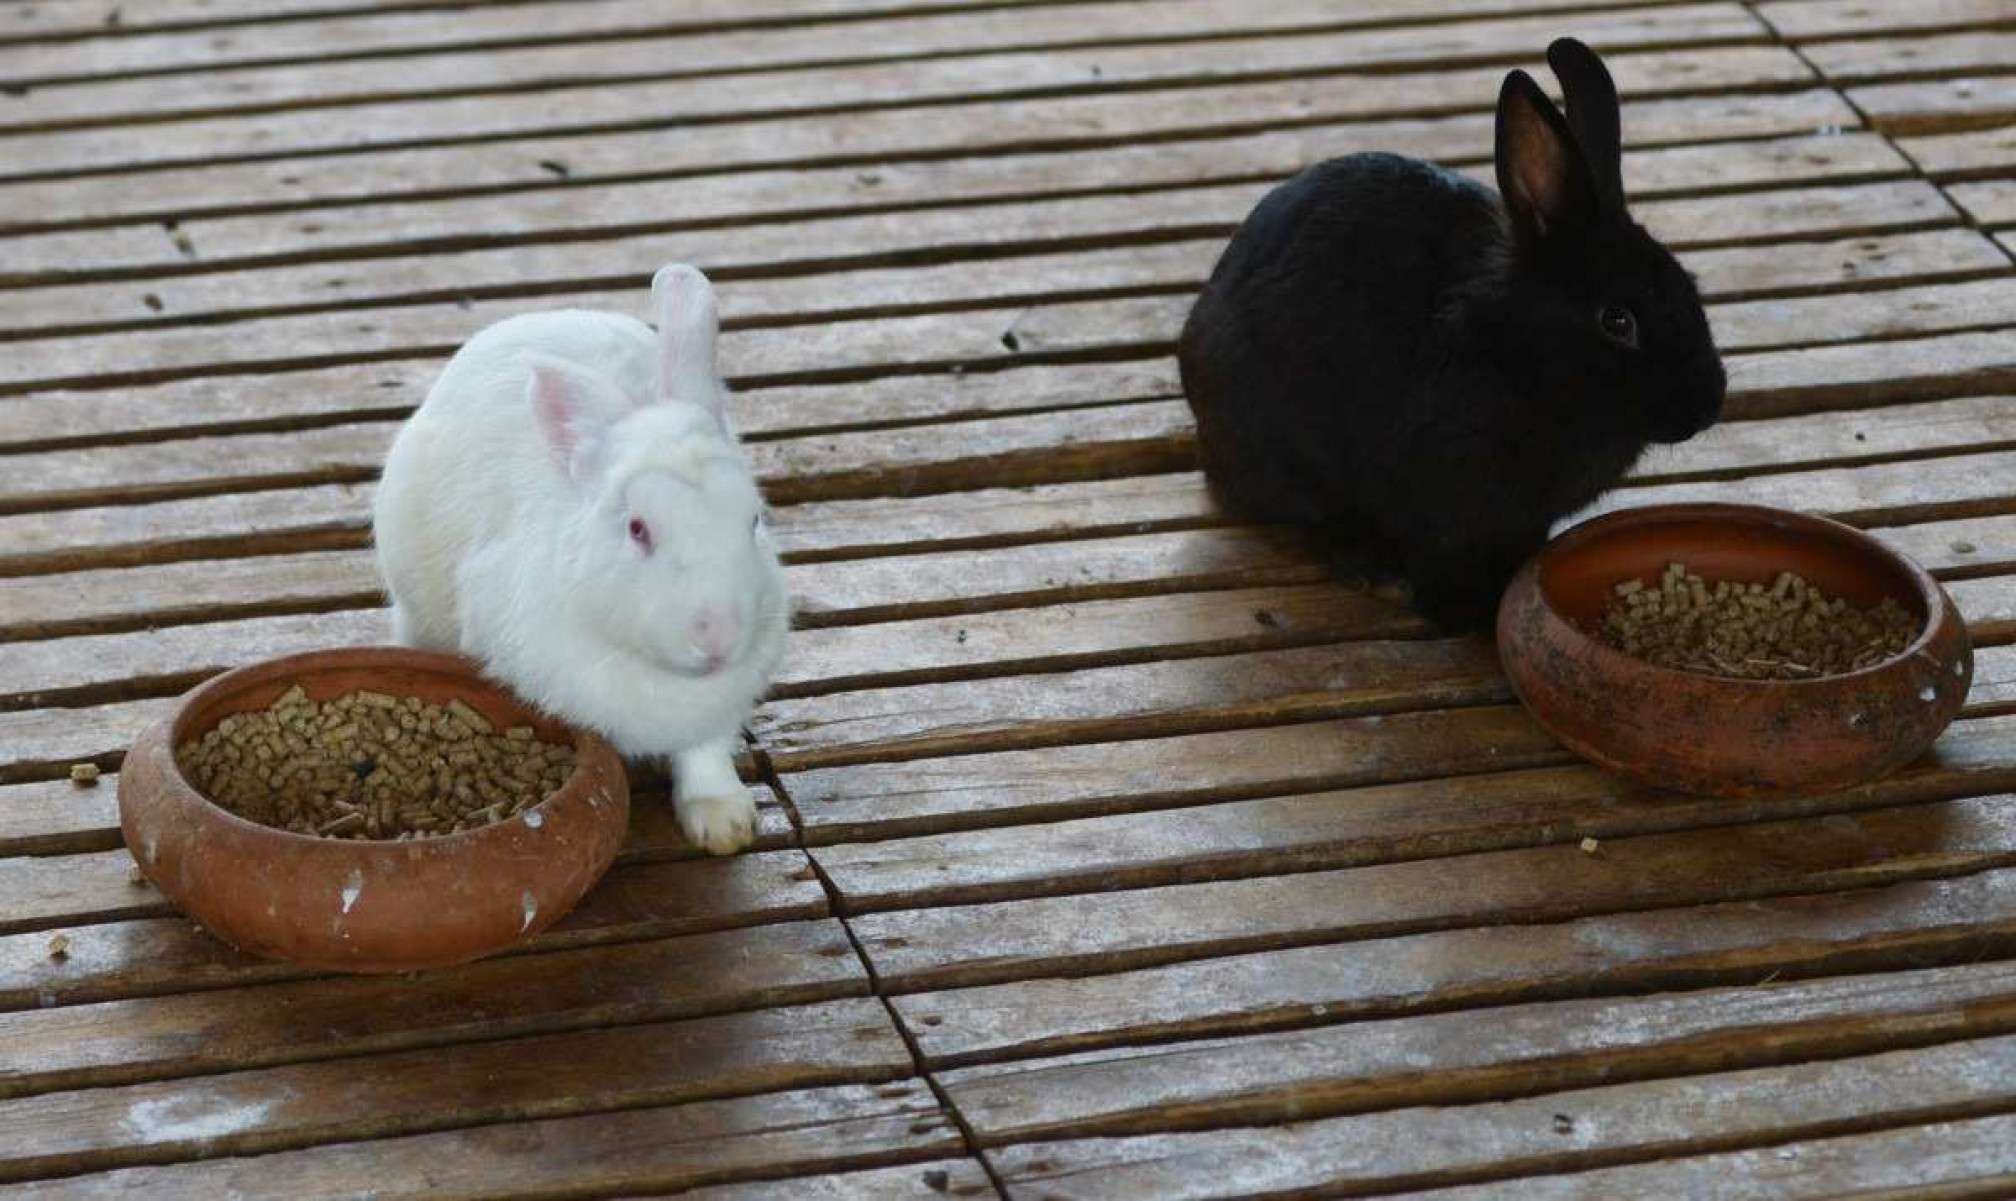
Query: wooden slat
[602, 212]
[1663, 1119]
[974, 339]
[149, 956]
[1862, 60]
[265, 1109]
[639, 105]
[652, 1148]
[93, 887]
[362, 26]
[912, 1182]
[1128, 701]
[914, 949]
[1937, 105]
[1954, 1161]
[839, 593]
[1082, 123]
[1141, 438]
[1988, 202]
[1985, 152]
[1814, 19]
[1913, 923]
[580, 273]
[951, 69]
[1325, 830]
[1785, 382]
[896, 35]
[1452, 1057]
[119, 1042]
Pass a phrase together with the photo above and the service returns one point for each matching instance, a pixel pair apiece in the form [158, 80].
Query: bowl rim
[585, 743]
[1930, 594]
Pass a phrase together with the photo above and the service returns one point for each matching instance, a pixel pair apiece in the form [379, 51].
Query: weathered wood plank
[549, 129]
[880, 343]
[1952, 1161]
[1802, 20]
[155, 955]
[1779, 383]
[1136, 700]
[705, 34]
[1937, 105]
[523, 218]
[1963, 156]
[915, 949]
[151, 39]
[1908, 924]
[652, 1148]
[410, 1092]
[90, 887]
[597, 75]
[845, 592]
[582, 273]
[1027, 127]
[1786, 382]
[334, 515]
[1426, 1147]
[1179, 697]
[1990, 202]
[1069, 636]
[1871, 494]
[1444, 1058]
[1341, 828]
[1862, 60]
[119, 1042]
[912, 1182]
[1053, 783]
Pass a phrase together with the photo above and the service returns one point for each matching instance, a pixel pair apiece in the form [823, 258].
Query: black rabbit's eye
[1618, 324]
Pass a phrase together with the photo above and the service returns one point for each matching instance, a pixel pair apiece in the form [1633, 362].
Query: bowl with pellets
[1734, 650]
[370, 809]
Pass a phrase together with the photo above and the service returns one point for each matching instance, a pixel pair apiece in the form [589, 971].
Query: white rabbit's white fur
[570, 508]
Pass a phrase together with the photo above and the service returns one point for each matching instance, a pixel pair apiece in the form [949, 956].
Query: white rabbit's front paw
[721, 825]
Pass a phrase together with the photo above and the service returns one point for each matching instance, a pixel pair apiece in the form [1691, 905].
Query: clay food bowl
[368, 906]
[1713, 735]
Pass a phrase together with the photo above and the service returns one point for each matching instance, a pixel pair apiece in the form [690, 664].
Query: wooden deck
[1108, 852]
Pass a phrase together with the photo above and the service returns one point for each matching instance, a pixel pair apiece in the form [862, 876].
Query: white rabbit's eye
[1619, 325]
[640, 533]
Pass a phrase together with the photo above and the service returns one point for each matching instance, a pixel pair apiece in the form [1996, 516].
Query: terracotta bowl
[368, 906]
[1713, 735]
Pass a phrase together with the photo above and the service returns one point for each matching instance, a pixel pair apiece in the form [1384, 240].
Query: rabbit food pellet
[1786, 630]
[372, 766]
[84, 775]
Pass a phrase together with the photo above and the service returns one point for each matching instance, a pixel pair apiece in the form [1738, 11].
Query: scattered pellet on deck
[59, 947]
[84, 775]
[1786, 630]
[1590, 846]
[369, 765]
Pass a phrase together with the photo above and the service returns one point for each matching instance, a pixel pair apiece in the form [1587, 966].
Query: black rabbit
[1427, 378]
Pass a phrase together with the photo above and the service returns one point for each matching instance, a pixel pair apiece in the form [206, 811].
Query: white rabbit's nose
[714, 637]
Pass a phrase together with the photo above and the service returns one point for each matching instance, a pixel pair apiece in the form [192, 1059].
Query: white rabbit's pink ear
[683, 302]
[571, 414]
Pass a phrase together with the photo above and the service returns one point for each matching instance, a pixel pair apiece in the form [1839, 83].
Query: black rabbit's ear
[1592, 112]
[1541, 172]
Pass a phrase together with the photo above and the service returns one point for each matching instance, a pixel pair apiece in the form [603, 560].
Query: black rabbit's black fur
[1427, 377]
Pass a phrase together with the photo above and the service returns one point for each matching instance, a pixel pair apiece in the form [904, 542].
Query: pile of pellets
[372, 766]
[1785, 630]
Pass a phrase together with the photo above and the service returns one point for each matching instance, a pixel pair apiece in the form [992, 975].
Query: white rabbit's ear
[687, 328]
[573, 413]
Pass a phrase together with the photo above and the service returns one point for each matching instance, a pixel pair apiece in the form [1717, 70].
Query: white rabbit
[570, 508]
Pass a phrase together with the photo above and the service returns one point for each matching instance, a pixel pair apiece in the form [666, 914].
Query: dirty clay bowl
[1711, 735]
[368, 906]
